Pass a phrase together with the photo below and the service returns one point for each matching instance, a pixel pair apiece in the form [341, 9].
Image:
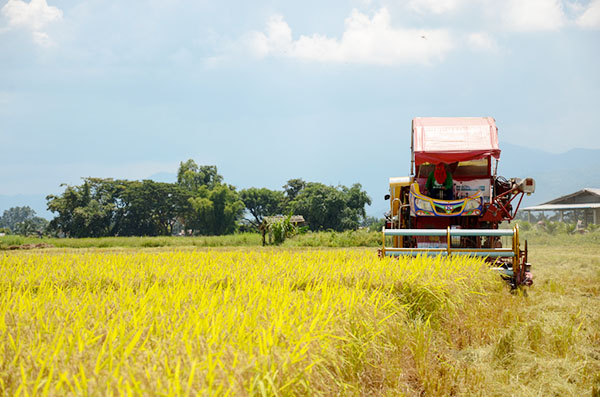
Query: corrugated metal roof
[557, 207]
[594, 191]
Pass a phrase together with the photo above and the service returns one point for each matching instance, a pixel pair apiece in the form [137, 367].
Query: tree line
[199, 203]
[22, 220]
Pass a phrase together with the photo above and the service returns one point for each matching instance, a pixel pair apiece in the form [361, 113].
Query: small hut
[586, 202]
[296, 220]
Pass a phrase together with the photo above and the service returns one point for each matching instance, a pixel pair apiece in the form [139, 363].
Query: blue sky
[274, 90]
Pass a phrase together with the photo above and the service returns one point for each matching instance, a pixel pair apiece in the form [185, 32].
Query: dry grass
[288, 322]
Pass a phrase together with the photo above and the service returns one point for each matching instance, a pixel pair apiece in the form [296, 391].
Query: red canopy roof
[450, 139]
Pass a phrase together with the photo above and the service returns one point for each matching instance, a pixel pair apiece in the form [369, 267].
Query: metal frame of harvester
[469, 224]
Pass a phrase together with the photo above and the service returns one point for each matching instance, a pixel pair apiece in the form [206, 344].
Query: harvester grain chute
[464, 219]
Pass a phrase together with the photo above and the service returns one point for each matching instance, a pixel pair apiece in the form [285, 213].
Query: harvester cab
[453, 202]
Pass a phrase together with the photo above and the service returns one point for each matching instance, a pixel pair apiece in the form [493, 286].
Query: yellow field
[259, 321]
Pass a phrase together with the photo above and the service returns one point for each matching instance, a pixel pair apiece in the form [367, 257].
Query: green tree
[292, 188]
[190, 176]
[327, 207]
[215, 211]
[321, 206]
[86, 210]
[356, 199]
[22, 220]
[105, 207]
[262, 202]
[15, 215]
[149, 208]
[213, 208]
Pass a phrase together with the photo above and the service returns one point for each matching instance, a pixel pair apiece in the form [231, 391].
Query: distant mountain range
[555, 175]
[166, 177]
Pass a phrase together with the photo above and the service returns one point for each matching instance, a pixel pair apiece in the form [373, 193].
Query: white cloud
[435, 6]
[33, 16]
[534, 15]
[365, 40]
[590, 19]
[482, 41]
[277, 39]
[514, 15]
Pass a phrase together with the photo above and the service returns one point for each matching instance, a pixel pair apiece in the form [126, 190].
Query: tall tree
[213, 207]
[327, 207]
[321, 206]
[215, 211]
[22, 220]
[262, 202]
[15, 215]
[293, 187]
[356, 199]
[190, 176]
[86, 210]
[149, 208]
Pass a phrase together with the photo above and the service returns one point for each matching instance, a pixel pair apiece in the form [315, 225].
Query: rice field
[259, 321]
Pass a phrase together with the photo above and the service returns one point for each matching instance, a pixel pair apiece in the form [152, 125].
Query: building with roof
[585, 202]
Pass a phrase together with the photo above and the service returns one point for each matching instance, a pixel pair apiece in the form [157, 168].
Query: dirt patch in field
[28, 246]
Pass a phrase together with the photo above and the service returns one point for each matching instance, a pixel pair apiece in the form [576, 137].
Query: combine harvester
[464, 218]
